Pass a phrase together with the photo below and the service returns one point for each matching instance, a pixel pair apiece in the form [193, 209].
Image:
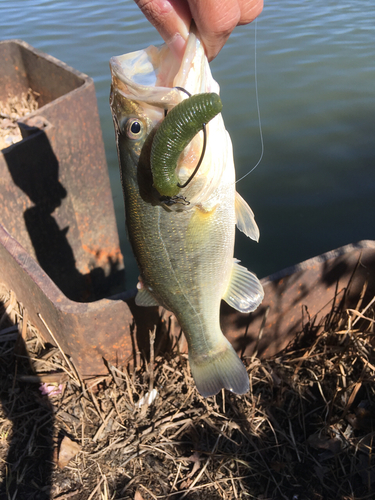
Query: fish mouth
[152, 75]
[144, 75]
[152, 79]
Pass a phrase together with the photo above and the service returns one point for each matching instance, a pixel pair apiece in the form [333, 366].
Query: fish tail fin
[220, 369]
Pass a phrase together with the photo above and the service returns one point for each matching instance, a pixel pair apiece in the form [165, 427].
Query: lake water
[315, 187]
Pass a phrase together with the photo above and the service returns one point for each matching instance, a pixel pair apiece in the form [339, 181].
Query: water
[315, 187]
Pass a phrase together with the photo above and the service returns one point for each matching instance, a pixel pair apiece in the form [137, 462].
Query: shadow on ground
[26, 418]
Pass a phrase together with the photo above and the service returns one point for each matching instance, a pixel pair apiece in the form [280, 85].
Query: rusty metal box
[55, 196]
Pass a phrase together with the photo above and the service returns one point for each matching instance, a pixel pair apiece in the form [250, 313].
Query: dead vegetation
[305, 431]
[14, 108]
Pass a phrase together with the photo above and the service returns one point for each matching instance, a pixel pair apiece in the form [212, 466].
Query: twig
[261, 329]
[206, 464]
[64, 496]
[152, 360]
[74, 375]
[365, 309]
[148, 491]
[96, 489]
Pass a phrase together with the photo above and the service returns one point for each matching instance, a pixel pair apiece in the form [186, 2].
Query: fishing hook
[171, 200]
[203, 148]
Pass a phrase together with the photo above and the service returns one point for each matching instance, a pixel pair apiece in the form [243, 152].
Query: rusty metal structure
[59, 246]
[55, 193]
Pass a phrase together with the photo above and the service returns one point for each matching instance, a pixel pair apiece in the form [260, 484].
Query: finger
[250, 10]
[216, 20]
[171, 18]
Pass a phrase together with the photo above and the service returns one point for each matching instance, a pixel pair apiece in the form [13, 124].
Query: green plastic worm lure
[179, 127]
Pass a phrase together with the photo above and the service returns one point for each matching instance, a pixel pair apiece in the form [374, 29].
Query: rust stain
[103, 256]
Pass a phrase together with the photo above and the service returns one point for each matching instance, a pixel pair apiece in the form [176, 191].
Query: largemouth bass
[184, 243]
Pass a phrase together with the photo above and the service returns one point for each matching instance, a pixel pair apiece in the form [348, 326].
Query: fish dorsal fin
[244, 291]
[245, 218]
[145, 299]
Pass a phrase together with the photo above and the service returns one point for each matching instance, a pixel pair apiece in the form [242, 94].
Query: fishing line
[258, 110]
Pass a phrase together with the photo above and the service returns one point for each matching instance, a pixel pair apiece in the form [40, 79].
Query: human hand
[215, 20]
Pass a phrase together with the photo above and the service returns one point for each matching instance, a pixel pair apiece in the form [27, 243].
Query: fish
[184, 243]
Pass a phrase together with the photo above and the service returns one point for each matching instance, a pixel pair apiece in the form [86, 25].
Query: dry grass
[305, 431]
[11, 110]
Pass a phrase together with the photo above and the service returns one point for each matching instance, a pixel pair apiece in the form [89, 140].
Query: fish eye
[134, 128]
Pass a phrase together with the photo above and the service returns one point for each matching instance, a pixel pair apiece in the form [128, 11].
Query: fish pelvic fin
[245, 218]
[221, 369]
[244, 292]
[145, 299]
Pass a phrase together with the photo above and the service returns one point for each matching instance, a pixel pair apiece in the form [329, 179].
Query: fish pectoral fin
[244, 292]
[220, 369]
[145, 299]
[245, 218]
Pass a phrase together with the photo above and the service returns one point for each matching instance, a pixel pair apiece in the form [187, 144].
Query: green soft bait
[179, 127]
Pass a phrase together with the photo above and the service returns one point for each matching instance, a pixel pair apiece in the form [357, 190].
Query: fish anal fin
[145, 299]
[245, 218]
[221, 369]
[244, 292]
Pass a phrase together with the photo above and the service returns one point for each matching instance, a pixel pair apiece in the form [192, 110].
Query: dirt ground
[305, 431]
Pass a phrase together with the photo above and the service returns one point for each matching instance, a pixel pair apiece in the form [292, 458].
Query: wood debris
[67, 450]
